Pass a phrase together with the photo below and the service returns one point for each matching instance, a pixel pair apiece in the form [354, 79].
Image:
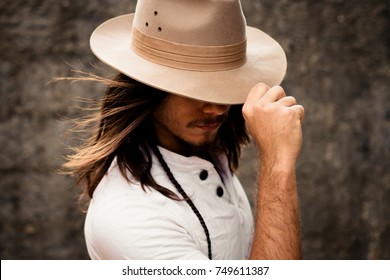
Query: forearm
[274, 121]
[277, 220]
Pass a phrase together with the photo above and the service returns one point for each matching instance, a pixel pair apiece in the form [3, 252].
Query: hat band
[188, 57]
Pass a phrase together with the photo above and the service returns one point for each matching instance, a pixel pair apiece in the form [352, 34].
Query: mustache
[207, 121]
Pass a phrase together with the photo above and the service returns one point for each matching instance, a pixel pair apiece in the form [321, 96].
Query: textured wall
[338, 53]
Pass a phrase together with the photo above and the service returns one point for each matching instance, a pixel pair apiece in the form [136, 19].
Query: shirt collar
[181, 162]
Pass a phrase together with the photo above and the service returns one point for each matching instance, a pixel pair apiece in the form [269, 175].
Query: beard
[208, 142]
[179, 133]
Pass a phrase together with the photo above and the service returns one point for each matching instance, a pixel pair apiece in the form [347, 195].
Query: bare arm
[274, 121]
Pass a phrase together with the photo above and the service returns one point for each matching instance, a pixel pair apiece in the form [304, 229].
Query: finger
[273, 94]
[299, 110]
[256, 93]
[287, 101]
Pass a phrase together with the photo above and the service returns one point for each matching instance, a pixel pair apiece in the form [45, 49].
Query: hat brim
[265, 62]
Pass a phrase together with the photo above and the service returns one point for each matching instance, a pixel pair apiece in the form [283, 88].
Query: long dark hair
[124, 130]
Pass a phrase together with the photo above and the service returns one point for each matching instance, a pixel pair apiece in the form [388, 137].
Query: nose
[215, 109]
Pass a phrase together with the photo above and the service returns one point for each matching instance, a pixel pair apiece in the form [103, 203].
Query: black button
[203, 175]
[220, 191]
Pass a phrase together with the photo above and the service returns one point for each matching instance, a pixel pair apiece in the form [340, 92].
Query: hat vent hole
[155, 13]
[146, 24]
[159, 29]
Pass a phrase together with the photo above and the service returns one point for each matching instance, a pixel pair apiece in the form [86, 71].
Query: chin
[198, 142]
[204, 143]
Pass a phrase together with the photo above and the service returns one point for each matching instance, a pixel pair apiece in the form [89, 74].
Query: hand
[274, 121]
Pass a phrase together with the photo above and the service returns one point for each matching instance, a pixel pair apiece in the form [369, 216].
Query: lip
[209, 127]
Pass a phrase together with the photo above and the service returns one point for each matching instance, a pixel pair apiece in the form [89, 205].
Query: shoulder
[119, 195]
[126, 222]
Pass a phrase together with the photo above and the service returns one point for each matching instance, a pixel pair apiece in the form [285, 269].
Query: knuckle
[293, 100]
[289, 114]
[261, 87]
[300, 108]
[279, 89]
[277, 92]
[246, 110]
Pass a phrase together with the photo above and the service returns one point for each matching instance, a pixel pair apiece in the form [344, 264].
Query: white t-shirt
[125, 222]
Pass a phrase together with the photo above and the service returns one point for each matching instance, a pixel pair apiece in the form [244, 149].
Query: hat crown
[200, 49]
[192, 22]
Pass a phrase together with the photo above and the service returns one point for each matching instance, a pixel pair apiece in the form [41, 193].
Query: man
[159, 168]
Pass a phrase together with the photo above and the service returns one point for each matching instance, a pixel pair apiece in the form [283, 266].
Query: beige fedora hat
[200, 49]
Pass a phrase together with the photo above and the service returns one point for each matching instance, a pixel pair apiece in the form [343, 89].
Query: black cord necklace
[184, 195]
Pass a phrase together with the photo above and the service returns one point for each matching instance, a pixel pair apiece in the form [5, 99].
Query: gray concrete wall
[338, 53]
